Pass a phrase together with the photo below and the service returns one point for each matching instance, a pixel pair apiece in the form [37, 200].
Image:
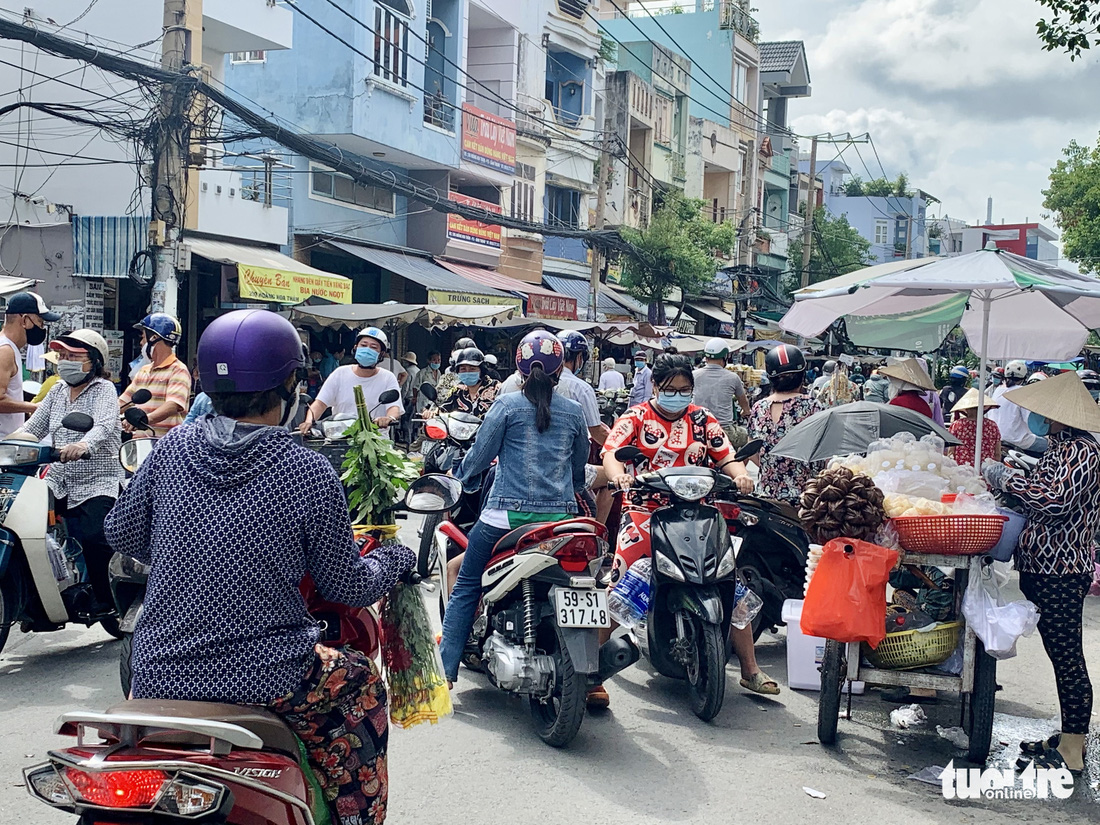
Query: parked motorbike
[613, 404]
[693, 581]
[536, 631]
[43, 577]
[450, 436]
[167, 761]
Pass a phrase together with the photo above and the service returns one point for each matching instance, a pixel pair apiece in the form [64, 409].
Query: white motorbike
[43, 577]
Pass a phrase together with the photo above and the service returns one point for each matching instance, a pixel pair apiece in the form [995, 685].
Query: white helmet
[491, 359]
[1016, 369]
[1035, 377]
[376, 334]
[716, 348]
[85, 339]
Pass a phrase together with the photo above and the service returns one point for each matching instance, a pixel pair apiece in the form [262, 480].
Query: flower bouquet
[418, 691]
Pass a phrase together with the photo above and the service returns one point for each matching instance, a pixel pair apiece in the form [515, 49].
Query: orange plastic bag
[846, 600]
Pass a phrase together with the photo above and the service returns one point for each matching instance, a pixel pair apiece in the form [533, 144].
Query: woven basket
[911, 649]
[956, 535]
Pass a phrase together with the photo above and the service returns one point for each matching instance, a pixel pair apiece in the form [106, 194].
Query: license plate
[582, 608]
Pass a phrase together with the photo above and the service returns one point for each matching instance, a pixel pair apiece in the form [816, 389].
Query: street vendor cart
[901, 659]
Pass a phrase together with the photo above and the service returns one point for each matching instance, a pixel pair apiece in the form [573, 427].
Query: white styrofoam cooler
[804, 653]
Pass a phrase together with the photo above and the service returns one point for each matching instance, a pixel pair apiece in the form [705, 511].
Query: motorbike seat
[266, 725]
[511, 539]
[785, 509]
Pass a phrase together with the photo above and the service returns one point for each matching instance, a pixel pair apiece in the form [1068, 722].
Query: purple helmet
[248, 350]
[539, 347]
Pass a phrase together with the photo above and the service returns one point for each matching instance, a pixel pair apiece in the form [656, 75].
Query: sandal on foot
[597, 698]
[760, 682]
[1041, 746]
[1050, 758]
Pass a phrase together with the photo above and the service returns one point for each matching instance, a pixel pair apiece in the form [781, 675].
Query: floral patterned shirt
[966, 430]
[782, 478]
[475, 402]
[690, 439]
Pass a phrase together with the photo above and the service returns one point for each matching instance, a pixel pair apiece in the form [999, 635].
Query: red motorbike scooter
[152, 761]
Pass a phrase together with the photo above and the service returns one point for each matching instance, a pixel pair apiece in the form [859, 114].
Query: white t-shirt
[612, 379]
[338, 391]
[569, 386]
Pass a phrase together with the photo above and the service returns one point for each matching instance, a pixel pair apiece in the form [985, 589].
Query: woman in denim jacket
[542, 442]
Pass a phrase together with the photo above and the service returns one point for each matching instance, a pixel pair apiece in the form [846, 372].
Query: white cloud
[957, 93]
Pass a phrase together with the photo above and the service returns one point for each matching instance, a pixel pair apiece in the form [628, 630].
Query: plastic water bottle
[628, 601]
[746, 604]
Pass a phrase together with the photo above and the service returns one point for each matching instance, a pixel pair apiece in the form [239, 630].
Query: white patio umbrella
[1008, 307]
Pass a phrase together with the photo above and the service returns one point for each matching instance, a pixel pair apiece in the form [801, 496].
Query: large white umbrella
[1008, 307]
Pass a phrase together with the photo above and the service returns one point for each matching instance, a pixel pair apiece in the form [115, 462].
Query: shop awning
[430, 315]
[609, 303]
[444, 286]
[267, 275]
[541, 303]
[711, 311]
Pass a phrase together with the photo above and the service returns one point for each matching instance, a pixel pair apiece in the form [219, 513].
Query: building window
[662, 120]
[882, 233]
[563, 207]
[740, 83]
[391, 42]
[341, 188]
[523, 193]
[259, 56]
[574, 8]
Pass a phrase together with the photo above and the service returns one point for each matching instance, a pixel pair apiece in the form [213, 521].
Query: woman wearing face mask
[673, 432]
[338, 391]
[85, 489]
[476, 391]
[1055, 552]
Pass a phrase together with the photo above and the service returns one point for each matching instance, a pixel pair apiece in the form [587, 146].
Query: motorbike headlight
[667, 567]
[728, 563]
[12, 455]
[690, 488]
[462, 430]
[335, 428]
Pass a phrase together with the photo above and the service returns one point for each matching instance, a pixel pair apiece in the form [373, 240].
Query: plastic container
[1004, 548]
[912, 649]
[804, 653]
[948, 498]
[628, 601]
[746, 604]
[955, 535]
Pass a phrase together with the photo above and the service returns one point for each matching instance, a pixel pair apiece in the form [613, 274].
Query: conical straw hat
[1062, 398]
[970, 401]
[910, 372]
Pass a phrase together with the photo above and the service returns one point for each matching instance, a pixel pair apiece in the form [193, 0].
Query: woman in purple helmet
[542, 442]
[231, 514]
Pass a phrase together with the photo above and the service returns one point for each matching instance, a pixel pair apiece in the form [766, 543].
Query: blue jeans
[459, 618]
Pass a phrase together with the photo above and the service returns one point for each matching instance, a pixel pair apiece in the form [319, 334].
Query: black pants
[1061, 601]
[85, 524]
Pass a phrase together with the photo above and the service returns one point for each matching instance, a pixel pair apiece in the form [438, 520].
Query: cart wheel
[982, 701]
[833, 668]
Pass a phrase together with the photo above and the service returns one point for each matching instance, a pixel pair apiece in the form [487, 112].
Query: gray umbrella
[851, 428]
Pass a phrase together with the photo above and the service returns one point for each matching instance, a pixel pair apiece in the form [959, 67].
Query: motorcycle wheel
[125, 673]
[982, 702]
[559, 718]
[833, 669]
[707, 689]
[425, 559]
[111, 625]
[7, 608]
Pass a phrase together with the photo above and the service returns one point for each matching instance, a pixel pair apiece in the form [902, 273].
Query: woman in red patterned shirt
[965, 428]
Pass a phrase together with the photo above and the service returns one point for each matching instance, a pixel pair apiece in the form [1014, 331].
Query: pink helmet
[539, 347]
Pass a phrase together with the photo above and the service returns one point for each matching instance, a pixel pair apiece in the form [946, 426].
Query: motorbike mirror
[389, 397]
[749, 450]
[78, 422]
[137, 418]
[142, 396]
[433, 494]
[629, 455]
[134, 452]
[428, 391]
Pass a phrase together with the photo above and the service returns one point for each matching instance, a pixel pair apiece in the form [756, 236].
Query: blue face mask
[1039, 425]
[673, 402]
[469, 378]
[366, 357]
[434, 365]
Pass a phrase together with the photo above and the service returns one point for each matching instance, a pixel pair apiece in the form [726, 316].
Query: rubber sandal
[597, 698]
[760, 682]
[1041, 746]
[1050, 758]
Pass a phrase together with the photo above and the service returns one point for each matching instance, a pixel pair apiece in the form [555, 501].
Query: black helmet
[574, 344]
[465, 343]
[783, 360]
[1090, 379]
[469, 357]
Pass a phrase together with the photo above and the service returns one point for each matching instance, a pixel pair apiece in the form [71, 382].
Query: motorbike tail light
[187, 796]
[46, 783]
[435, 431]
[116, 789]
[574, 557]
[728, 509]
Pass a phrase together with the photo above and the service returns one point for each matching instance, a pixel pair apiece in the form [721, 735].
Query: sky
[958, 94]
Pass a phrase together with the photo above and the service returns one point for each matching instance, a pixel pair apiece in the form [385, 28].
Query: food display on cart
[906, 497]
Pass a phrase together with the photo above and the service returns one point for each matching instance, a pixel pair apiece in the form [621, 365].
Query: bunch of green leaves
[375, 472]
[1074, 200]
[1074, 28]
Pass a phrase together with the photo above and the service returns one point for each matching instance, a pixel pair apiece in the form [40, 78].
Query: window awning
[268, 275]
[443, 285]
[609, 303]
[541, 303]
[104, 246]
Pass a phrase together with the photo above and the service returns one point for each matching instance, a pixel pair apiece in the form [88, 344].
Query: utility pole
[601, 208]
[181, 46]
[808, 229]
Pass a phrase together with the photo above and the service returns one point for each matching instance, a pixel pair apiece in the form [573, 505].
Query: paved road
[646, 761]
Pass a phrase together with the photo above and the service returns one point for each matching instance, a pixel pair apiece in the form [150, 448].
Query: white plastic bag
[997, 624]
[912, 483]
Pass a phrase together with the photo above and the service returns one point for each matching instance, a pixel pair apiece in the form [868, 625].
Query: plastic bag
[746, 604]
[414, 671]
[912, 483]
[997, 624]
[846, 599]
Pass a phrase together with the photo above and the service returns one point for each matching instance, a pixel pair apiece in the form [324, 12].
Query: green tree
[680, 248]
[878, 188]
[837, 250]
[1075, 23]
[853, 187]
[1074, 200]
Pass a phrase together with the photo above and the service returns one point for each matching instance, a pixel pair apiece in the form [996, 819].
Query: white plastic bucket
[804, 653]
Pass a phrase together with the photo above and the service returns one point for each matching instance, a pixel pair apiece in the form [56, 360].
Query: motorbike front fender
[583, 645]
[129, 621]
[704, 602]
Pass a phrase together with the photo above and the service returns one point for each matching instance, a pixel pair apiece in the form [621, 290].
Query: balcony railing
[677, 166]
[439, 112]
[530, 115]
[717, 214]
[736, 17]
[641, 98]
[639, 207]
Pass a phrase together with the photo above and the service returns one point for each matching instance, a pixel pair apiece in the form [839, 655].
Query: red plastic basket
[956, 535]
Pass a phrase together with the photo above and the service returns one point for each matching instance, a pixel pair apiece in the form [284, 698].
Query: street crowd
[227, 464]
